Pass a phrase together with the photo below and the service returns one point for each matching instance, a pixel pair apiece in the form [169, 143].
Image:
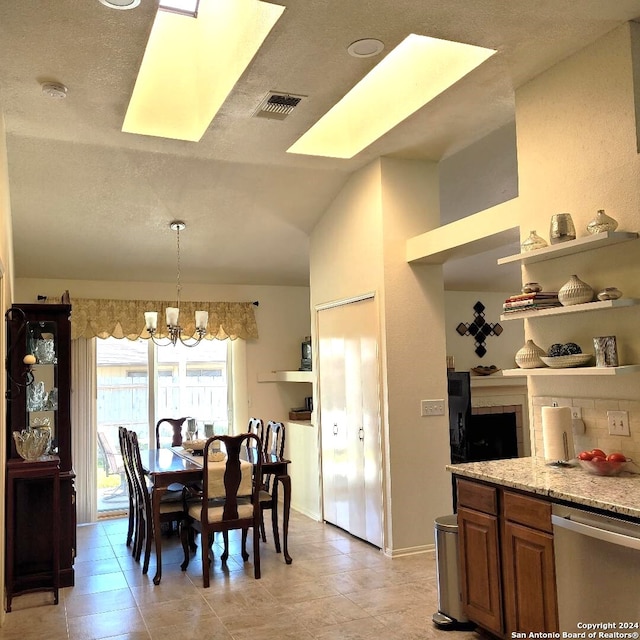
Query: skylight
[410, 76]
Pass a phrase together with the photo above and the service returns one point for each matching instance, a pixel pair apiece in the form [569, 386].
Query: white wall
[577, 153]
[500, 349]
[480, 176]
[359, 246]
[283, 321]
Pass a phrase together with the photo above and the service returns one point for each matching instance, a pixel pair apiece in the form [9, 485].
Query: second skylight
[410, 76]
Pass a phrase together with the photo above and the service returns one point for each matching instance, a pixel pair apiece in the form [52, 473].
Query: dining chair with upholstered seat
[171, 505]
[176, 434]
[229, 500]
[273, 446]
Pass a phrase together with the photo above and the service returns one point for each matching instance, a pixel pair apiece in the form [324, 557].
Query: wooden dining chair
[176, 439]
[171, 505]
[256, 426]
[237, 508]
[176, 425]
[273, 446]
[128, 470]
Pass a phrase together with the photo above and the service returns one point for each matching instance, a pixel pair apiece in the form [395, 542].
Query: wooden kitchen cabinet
[478, 540]
[507, 569]
[528, 564]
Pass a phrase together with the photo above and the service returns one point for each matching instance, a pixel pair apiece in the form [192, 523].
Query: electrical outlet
[618, 422]
[432, 408]
[576, 413]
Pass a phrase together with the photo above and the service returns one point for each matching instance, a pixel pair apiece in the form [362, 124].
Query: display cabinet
[33, 533]
[38, 397]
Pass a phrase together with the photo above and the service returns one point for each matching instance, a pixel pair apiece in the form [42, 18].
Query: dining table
[167, 466]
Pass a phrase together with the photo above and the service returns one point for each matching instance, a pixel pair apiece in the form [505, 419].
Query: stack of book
[531, 301]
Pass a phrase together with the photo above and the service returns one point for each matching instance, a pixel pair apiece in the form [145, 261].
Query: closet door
[350, 418]
[334, 432]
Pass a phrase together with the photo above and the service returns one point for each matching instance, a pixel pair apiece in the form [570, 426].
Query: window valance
[125, 318]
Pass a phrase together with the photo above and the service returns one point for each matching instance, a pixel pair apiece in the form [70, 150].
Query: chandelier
[172, 313]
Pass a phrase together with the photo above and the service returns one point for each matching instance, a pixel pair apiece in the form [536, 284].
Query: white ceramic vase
[574, 291]
[528, 357]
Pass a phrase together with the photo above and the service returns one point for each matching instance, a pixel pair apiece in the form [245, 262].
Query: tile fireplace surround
[488, 401]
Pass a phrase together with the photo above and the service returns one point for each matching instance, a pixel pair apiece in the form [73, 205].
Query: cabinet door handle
[335, 428]
[361, 433]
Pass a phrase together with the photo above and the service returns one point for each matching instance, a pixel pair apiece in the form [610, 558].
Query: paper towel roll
[557, 433]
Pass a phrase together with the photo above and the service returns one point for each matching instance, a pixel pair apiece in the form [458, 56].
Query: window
[184, 382]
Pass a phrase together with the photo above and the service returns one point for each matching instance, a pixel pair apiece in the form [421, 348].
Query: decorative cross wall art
[480, 329]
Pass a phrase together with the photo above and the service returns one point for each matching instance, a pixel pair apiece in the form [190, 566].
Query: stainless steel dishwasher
[597, 561]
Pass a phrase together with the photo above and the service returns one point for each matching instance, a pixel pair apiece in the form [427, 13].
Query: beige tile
[105, 625]
[87, 604]
[363, 629]
[108, 565]
[338, 588]
[171, 588]
[210, 628]
[192, 612]
[100, 582]
[322, 612]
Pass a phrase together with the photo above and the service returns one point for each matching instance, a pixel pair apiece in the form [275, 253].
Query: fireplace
[481, 432]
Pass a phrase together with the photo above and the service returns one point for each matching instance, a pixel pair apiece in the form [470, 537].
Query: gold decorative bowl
[32, 444]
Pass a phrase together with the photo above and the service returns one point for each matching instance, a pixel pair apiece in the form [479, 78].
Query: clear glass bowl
[32, 445]
[602, 467]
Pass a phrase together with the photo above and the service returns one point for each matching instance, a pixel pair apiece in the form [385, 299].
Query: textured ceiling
[92, 202]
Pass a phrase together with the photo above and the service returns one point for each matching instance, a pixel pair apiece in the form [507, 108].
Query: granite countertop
[618, 494]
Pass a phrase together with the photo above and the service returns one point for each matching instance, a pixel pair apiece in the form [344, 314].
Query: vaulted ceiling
[89, 201]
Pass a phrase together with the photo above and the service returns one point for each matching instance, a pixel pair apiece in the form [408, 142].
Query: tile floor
[338, 588]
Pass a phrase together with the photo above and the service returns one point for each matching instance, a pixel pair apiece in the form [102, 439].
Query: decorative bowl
[32, 444]
[195, 446]
[565, 362]
[603, 467]
[484, 371]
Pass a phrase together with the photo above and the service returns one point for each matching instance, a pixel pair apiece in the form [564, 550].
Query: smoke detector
[277, 105]
[54, 90]
[365, 48]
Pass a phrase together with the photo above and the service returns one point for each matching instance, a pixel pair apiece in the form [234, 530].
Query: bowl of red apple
[598, 463]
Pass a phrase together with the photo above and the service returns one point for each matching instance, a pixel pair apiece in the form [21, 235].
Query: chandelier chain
[178, 286]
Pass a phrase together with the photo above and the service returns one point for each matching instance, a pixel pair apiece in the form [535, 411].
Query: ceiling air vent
[277, 106]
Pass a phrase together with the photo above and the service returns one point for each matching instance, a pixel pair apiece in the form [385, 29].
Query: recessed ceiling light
[365, 48]
[407, 78]
[120, 4]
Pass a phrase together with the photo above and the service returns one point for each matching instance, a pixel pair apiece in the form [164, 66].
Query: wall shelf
[574, 371]
[579, 245]
[286, 376]
[576, 308]
[498, 380]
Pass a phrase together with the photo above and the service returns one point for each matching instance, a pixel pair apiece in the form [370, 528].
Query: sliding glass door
[138, 383]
